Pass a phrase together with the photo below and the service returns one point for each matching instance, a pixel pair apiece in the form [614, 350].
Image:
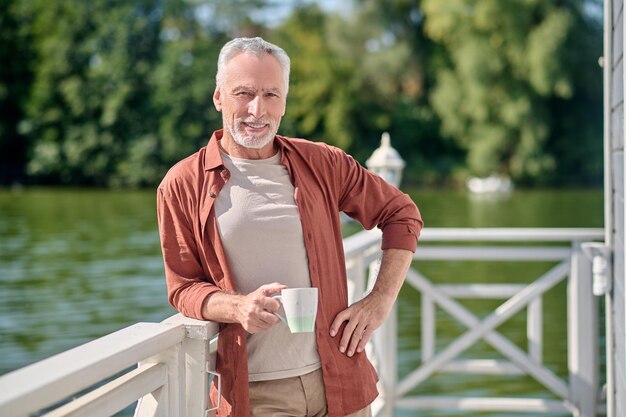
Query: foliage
[16, 76]
[322, 85]
[513, 82]
[121, 90]
[114, 92]
[87, 100]
[352, 79]
[399, 63]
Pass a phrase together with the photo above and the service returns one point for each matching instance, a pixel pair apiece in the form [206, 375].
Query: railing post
[167, 400]
[582, 335]
[385, 347]
[385, 344]
[197, 364]
[357, 273]
[187, 391]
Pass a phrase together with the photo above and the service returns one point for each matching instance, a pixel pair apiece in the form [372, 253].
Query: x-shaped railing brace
[485, 330]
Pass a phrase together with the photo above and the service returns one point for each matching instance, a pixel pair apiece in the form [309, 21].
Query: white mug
[300, 306]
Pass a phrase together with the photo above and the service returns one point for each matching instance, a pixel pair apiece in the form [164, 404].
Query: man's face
[252, 99]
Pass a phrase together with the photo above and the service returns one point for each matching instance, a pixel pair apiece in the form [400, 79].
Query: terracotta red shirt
[326, 181]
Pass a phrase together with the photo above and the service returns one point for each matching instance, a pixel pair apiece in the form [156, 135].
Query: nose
[256, 107]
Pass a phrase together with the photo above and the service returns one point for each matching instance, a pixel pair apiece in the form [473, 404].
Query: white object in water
[490, 184]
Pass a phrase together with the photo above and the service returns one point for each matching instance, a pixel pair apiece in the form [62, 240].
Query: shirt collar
[212, 157]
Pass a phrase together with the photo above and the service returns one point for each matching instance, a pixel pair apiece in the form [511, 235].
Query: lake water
[78, 264]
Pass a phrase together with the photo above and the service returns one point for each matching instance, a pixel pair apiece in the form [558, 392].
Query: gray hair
[256, 46]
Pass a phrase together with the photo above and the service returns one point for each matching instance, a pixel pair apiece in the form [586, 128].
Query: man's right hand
[253, 311]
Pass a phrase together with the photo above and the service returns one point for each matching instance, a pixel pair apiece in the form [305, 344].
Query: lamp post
[386, 161]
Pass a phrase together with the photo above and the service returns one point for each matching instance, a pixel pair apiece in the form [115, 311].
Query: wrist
[222, 307]
[383, 295]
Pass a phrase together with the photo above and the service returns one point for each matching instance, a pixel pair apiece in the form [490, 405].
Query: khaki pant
[301, 396]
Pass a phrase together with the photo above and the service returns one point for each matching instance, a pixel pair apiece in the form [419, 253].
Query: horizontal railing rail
[364, 240]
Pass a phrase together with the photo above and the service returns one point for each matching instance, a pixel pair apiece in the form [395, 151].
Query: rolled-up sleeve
[370, 200]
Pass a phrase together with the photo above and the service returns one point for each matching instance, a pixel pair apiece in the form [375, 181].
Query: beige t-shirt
[260, 227]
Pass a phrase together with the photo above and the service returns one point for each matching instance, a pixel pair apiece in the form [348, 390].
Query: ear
[217, 99]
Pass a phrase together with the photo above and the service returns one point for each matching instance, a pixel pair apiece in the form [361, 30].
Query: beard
[250, 140]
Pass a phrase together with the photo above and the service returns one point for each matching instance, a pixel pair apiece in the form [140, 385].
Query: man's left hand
[362, 317]
[366, 315]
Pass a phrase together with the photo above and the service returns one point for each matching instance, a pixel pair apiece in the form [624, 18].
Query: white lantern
[386, 162]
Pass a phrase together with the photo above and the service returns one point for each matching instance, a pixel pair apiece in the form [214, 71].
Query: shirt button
[212, 194]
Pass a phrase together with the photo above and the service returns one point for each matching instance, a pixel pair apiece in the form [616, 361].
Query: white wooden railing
[579, 395]
[163, 366]
[175, 364]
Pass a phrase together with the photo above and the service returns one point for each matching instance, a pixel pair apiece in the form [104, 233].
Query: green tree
[182, 83]
[322, 86]
[399, 62]
[121, 90]
[88, 106]
[352, 79]
[516, 73]
[16, 76]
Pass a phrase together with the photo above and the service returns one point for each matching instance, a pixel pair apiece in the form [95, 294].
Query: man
[253, 213]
